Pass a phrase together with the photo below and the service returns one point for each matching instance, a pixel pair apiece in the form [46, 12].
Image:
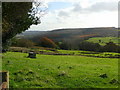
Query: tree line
[67, 45]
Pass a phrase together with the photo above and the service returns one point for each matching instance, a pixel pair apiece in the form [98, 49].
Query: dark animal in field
[103, 76]
[58, 67]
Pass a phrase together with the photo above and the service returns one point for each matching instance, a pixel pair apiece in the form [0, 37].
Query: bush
[22, 42]
[89, 46]
[46, 42]
[111, 47]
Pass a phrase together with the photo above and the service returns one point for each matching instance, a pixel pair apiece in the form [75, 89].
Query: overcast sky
[78, 14]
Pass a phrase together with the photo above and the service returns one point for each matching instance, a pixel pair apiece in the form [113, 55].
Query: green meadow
[60, 71]
[104, 40]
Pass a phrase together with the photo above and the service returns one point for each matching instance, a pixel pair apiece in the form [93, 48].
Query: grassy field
[91, 53]
[104, 40]
[50, 71]
[66, 52]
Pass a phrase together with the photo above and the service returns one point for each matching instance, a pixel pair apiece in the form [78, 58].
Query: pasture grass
[50, 71]
[50, 51]
[104, 40]
[91, 53]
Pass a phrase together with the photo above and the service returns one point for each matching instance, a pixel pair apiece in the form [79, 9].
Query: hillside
[30, 34]
[72, 33]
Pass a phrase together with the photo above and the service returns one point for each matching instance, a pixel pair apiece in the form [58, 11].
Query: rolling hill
[71, 33]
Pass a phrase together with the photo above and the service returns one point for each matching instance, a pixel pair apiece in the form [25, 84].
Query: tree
[46, 42]
[64, 45]
[17, 17]
[89, 46]
[22, 42]
[111, 47]
[69, 44]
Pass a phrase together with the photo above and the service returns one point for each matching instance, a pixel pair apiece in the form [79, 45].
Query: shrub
[111, 47]
[89, 46]
[22, 42]
[46, 42]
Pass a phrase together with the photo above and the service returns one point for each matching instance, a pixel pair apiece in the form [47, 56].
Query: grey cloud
[97, 7]
[63, 14]
[77, 8]
[104, 6]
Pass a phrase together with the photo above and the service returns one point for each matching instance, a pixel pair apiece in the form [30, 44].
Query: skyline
[78, 14]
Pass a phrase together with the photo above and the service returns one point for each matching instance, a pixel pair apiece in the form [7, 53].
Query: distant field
[104, 40]
[49, 51]
[50, 71]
